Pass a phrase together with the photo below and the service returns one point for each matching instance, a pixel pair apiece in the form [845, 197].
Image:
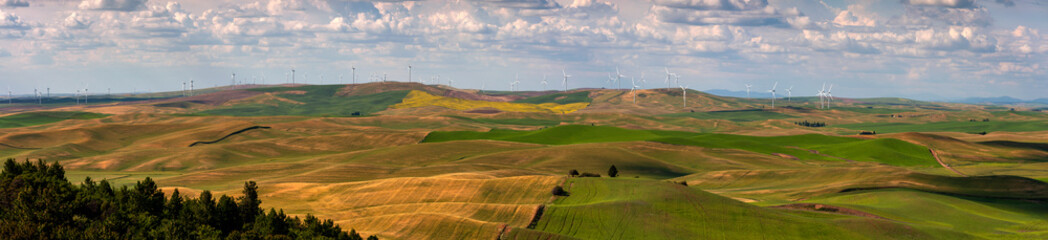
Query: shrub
[574, 173]
[559, 191]
[586, 174]
[613, 172]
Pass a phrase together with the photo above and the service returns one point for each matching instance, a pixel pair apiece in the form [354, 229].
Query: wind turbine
[684, 90]
[292, 75]
[829, 96]
[748, 86]
[634, 90]
[233, 78]
[409, 73]
[566, 76]
[789, 94]
[772, 91]
[545, 84]
[618, 78]
[822, 95]
[668, 76]
[190, 87]
[86, 95]
[183, 88]
[339, 78]
[354, 74]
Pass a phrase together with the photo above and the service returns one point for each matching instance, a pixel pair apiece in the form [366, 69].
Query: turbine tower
[772, 91]
[545, 84]
[354, 74]
[233, 78]
[292, 75]
[566, 76]
[822, 95]
[409, 73]
[829, 96]
[668, 76]
[634, 89]
[748, 86]
[789, 94]
[618, 78]
[684, 91]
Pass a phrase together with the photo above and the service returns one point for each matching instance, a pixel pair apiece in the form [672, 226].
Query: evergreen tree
[613, 172]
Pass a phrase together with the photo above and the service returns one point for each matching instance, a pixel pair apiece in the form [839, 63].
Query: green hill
[601, 208]
[803, 147]
[317, 100]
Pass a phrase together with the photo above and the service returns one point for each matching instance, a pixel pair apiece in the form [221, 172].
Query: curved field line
[23, 148]
[947, 166]
[229, 135]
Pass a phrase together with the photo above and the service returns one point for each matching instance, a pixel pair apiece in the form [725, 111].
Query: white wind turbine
[789, 94]
[668, 76]
[354, 68]
[618, 78]
[829, 96]
[684, 91]
[772, 91]
[545, 84]
[822, 95]
[566, 76]
[339, 78]
[748, 86]
[634, 90]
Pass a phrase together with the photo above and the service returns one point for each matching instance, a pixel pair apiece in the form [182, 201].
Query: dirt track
[936, 155]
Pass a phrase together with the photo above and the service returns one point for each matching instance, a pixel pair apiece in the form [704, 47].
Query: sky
[921, 49]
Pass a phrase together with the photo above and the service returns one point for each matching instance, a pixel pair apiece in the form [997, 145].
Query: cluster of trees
[37, 202]
[612, 172]
[984, 120]
[806, 123]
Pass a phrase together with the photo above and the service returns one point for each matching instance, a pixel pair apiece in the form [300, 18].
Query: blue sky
[924, 49]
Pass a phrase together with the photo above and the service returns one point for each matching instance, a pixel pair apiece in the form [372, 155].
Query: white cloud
[113, 5]
[942, 3]
[10, 21]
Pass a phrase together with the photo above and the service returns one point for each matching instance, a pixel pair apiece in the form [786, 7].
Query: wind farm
[452, 138]
[424, 120]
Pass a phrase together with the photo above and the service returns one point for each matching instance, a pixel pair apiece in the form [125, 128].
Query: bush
[613, 172]
[586, 174]
[573, 173]
[559, 191]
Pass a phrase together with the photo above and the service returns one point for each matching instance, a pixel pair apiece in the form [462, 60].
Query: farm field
[414, 161]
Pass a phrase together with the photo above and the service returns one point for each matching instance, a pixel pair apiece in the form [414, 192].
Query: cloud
[955, 38]
[113, 5]
[942, 3]
[14, 3]
[10, 21]
[1008, 3]
[727, 12]
[76, 21]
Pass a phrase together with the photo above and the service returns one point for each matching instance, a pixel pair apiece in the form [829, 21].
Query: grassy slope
[643, 209]
[984, 217]
[40, 118]
[970, 127]
[319, 100]
[559, 98]
[735, 116]
[889, 151]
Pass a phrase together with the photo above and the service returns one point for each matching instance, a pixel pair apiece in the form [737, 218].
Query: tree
[613, 172]
[559, 191]
[249, 203]
[574, 173]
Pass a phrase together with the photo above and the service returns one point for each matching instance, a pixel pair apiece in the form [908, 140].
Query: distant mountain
[1003, 100]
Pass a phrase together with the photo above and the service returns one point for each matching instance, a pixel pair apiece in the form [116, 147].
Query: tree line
[37, 202]
[806, 123]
